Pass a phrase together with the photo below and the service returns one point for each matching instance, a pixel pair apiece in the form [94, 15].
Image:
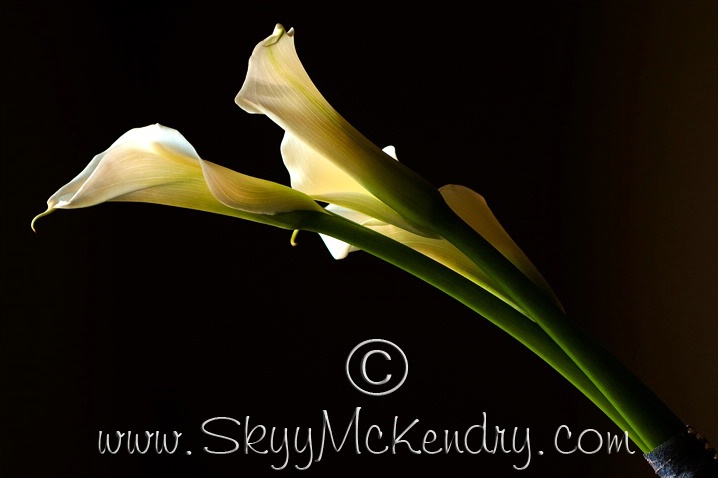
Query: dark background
[591, 129]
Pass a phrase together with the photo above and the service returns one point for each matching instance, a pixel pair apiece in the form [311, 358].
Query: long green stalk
[652, 420]
[527, 332]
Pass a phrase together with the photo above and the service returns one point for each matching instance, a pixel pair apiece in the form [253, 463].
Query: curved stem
[527, 332]
[652, 420]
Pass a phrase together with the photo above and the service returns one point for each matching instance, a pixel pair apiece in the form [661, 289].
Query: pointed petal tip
[472, 208]
[338, 249]
[390, 150]
[34, 219]
[279, 30]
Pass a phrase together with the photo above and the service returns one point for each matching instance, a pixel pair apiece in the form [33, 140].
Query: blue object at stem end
[687, 455]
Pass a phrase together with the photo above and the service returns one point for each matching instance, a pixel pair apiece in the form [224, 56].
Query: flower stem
[652, 420]
[526, 331]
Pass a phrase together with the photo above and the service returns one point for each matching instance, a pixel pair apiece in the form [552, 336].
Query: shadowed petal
[312, 173]
[254, 195]
[472, 208]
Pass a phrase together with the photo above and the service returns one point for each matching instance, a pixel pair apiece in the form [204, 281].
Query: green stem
[527, 332]
[651, 419]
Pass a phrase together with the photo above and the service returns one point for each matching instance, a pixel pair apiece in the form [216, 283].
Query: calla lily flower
[329, 160]
[156, 164]
[278, 86]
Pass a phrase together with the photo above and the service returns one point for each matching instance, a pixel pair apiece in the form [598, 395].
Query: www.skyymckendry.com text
[300, 447]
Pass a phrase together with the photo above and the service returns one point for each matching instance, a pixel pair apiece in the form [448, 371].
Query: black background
[589, 127]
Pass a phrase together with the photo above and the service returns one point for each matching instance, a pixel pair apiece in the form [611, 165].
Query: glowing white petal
[278, 86]
[156, 164]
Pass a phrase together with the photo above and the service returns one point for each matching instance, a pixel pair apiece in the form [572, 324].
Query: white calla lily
[278, 86]
[156, 164]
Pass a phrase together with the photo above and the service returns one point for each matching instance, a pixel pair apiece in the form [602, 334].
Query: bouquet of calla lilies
[358, 196]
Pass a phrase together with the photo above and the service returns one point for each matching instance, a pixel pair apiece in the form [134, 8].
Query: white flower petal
[139, 159]
[338, 249]
[312, 173]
